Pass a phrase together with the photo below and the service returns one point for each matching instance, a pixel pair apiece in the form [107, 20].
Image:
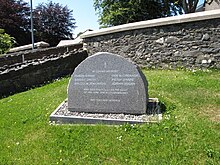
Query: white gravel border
[62, 116]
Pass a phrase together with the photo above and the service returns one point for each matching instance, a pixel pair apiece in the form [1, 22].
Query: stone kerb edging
[199, 16]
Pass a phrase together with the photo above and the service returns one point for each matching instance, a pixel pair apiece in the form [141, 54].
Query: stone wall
[18, 57]
[187, 41]
[20, 76]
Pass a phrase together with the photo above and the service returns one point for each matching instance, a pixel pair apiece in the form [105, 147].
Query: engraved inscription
[90, 80]
[105, 91]
[104, 71]
[117, 84]
[107, 83]
[124, 79]
[105, 100]
[87, 80]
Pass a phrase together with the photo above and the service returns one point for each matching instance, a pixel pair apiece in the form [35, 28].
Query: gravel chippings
[63, 111]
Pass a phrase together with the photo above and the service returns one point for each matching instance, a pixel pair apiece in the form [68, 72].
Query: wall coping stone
[199, 16]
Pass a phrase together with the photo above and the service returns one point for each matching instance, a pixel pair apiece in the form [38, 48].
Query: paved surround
[61, 116]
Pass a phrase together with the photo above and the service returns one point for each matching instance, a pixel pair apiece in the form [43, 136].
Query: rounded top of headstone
[107, 83]
[104, 57]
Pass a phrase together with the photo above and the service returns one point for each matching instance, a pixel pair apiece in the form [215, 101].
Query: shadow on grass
[155, 106]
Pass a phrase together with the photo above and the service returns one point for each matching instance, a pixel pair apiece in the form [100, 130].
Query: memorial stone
[107, 83]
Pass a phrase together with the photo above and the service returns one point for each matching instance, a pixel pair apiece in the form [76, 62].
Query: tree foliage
[14, 19]
[116, 12]
[6, 42]
[189, 6]
[53, 22]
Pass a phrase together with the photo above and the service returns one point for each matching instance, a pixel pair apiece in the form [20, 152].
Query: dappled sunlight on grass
[188, 134]
[210, 111]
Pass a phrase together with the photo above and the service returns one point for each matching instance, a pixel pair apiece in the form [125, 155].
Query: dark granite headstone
[107, 83]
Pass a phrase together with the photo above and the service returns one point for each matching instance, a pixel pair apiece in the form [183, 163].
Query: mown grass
[189, 133]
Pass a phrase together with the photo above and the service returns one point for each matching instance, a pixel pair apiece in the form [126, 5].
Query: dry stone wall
[21, 76]
[192, 44]
[18, 57]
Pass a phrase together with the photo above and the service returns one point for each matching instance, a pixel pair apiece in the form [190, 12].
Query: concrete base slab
[62, 116]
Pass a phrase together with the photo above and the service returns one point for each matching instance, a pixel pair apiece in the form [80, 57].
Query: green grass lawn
[188, 134]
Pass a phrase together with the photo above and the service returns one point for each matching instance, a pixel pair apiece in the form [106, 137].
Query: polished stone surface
[108, 83]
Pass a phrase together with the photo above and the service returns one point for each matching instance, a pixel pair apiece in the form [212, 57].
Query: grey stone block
[107, 83]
